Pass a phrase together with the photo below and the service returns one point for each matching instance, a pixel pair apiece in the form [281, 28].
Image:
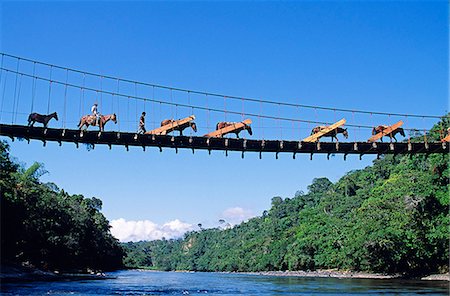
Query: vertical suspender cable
[1, 72]
[299, 124]
[118, 102]
[293, 130]
[15, 91]
[242, 110]
[135, 104]
[18, 97]
[225, 107]
[354, 128]
[145, 103]
[65, 99]
[80, 111]
[171, 104]
[279, 122]
[2, 68]
[101, 92]
[112, 102]
[261, 119]
[33, 87]
[128, 112]
[49, 90]
[3, 95]
[207, 117]
[153, 109]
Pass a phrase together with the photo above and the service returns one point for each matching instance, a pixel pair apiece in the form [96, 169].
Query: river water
[133, 282]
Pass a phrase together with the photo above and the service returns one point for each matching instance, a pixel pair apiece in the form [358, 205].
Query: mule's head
[401, 131]
[194, 126]
[249, 129]
[55, 115]
[345, 133]
[374, 131]
[114, 118]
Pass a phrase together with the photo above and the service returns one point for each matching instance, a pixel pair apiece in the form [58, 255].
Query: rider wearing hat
[95, 112]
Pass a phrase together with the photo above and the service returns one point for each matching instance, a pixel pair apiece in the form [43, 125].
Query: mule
[333, 133]
[88, 120]
[44, 119]
[181, 127]
[380, 128]
[223, 124]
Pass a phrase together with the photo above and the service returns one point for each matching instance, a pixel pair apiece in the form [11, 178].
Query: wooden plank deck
[127, 139]
[316, 136]
[229, 129]
[386, 132]
[165, 129]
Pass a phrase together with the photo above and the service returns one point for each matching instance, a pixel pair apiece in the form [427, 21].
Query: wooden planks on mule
[318, 135]
[165, 129]
[386, 131]
[229, 129]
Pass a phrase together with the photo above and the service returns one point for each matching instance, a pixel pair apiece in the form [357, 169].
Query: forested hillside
[390, 217]
[46, 227]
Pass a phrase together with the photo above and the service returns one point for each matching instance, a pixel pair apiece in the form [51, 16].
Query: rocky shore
[18, 273]
[345, 274]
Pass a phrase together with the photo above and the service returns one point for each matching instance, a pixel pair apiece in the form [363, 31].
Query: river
[134, 282]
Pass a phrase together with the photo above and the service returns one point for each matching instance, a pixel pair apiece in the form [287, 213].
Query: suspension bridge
[210, 121]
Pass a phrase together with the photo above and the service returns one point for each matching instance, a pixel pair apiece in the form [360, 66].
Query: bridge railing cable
[218, 95]
[208, 109]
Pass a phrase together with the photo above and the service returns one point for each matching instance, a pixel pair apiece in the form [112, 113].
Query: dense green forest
[48, 228]
[391, 217]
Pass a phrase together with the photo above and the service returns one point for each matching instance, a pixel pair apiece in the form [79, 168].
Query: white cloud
[134, 231]
[236, 215]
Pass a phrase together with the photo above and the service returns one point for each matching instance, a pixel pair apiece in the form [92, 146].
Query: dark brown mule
[380, 128]
[181, 127]
[223, 124]
[92, 120]
[333, 134]
[44, 119]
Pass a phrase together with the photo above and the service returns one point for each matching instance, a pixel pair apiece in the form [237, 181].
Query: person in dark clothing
[141, 129]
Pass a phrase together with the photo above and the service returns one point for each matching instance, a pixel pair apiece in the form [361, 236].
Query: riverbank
[345, 274]
[18, 273]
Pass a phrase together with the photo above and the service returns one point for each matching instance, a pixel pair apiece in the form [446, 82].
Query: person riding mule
[95, 112]
[88, 120]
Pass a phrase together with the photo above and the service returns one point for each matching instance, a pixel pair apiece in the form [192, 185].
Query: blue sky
[379, 56]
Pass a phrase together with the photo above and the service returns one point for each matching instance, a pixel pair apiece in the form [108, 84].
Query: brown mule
[88, 120]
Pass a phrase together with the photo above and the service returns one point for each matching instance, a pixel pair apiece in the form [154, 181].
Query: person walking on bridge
[141, 129]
